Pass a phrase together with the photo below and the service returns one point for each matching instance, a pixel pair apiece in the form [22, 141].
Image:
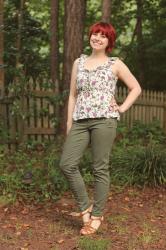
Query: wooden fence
[149, 106]
[31, 115]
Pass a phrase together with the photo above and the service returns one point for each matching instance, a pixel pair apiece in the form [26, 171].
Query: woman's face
[98, 41]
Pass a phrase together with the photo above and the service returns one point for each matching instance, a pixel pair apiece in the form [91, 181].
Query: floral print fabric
[95, 89]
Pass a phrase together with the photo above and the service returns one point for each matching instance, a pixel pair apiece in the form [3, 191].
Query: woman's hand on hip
[69, 125]
[116, 107]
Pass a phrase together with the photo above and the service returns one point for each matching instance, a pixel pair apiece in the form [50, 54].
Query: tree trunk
[54, 41]
[140, 41]
[54, 57]
[1, 50]
[106, 11]
[20, 24]
[73, 41]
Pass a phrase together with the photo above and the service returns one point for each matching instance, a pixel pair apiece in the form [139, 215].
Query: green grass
[6, 200]
[118, 221]
[117, 218]
[86, 243]
[149, 234]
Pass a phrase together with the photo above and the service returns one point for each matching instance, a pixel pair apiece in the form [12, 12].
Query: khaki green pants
[100, 133]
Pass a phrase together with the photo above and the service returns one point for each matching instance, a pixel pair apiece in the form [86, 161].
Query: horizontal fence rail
[150, 105]
[32, 114]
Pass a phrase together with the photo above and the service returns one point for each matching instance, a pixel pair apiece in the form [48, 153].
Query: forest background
[41, 39]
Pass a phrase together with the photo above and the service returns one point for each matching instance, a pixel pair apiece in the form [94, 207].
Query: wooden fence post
[164, 115]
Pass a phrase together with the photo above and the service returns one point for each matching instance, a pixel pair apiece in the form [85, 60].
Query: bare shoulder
[75, 65]
[119, 63]
[121, 67]
[76, 62]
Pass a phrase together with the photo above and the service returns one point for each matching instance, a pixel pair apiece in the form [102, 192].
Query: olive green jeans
[100, 134]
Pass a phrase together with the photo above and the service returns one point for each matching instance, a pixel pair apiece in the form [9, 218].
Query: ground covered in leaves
[135, 219]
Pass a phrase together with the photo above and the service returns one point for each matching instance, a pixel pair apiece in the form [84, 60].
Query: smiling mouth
[96, 43]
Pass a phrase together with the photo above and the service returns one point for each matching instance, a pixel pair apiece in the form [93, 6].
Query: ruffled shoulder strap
[113, 59]
[81, 60]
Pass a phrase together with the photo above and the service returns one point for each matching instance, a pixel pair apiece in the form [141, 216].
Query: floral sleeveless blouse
[95, 89]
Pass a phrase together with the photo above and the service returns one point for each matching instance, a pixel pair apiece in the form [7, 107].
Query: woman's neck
[98, 54]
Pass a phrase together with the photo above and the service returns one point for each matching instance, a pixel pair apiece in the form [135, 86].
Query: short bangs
[107, 30]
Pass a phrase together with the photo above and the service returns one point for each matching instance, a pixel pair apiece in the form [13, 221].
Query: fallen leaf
[127, 209]
[4, 226]
[126, 199]
[40, 220]
[65, 204]
[26, 244]
[152, 220]
[75, 214]
[64, 211]
[161, 216]
[8, 226]
[6, 209]
[60, 241]
[26, 225]
[13, 218]
[18, 233]
[25, 211]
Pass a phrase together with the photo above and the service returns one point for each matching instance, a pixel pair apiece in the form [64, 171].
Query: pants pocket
[111, 122]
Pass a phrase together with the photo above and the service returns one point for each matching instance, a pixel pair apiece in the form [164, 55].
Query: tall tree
[106, 10]
[55, 49]
[54, 41]
[1, 50]
[19, 32]
[140, 42]
[73, 37]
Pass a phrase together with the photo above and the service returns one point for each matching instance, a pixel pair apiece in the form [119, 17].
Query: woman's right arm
[72, 96]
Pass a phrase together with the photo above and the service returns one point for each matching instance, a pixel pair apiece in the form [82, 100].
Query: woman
[92, 118]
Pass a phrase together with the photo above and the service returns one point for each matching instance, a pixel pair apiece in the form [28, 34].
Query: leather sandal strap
[98, 218]
[88, 210]
[87, 229]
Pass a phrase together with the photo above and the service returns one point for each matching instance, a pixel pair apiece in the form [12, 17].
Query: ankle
[86, 217]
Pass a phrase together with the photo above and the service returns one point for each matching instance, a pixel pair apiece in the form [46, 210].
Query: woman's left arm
[124, 74]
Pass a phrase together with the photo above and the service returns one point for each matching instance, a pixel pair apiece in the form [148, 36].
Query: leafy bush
[141, 134]
[32, 176]
[140, 165]
[139, 155]
[32, 173]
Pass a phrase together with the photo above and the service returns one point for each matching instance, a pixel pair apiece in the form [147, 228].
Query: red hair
[107, 30]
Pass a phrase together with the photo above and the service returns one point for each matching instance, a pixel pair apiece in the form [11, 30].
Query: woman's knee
[66, 166]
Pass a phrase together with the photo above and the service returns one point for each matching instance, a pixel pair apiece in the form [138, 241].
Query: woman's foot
[92, 226]
[86, 215]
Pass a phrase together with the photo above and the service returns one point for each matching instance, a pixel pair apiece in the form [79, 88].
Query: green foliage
[33, 175]
[34, 40]
[3, 132]
[140, 165]
[140, 134]
[138, 157]
[35, 37]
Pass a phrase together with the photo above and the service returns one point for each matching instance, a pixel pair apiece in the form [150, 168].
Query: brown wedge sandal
[87, 229]
[87, 211]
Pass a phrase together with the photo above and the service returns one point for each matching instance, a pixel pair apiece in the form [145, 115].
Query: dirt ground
[135, 219]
